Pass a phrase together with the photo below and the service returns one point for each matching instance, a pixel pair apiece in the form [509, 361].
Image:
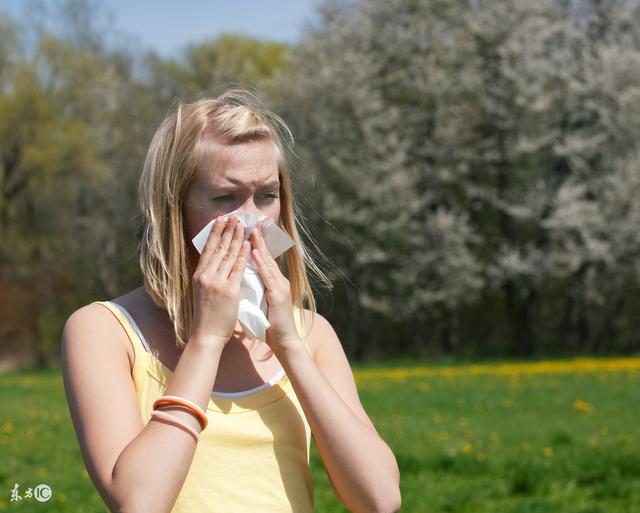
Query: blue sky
[167, 25]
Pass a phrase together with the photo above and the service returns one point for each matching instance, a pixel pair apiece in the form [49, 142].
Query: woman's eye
[224, 198]
[267, 196]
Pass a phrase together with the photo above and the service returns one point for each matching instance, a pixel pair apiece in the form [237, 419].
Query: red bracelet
[181, 401]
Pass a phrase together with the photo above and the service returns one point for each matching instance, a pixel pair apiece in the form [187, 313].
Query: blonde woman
[175, 409]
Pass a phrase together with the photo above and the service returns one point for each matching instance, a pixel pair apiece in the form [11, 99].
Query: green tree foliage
[76, 117]
[66, 141]
[209, 66]
[469, 168]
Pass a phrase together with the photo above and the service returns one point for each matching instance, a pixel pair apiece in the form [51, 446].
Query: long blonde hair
[178, 149]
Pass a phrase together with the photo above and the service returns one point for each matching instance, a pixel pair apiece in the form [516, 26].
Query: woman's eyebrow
[272, 183]
[232, 187]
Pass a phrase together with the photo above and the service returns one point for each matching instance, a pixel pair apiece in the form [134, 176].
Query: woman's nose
[250, 207]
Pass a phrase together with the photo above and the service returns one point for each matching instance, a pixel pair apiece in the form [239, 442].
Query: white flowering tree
[467, 165]
[362, 98]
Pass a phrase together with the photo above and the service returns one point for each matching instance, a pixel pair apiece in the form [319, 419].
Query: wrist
[207, 343]
[290, 348]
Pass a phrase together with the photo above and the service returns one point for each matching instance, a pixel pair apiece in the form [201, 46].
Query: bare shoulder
[318, 331]
[97, 319]
[328, 354]
[92, 329]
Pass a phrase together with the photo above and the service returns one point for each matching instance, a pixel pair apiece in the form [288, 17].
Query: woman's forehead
[248, 163]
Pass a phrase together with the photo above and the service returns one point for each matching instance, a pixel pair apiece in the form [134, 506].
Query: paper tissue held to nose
[253, 307]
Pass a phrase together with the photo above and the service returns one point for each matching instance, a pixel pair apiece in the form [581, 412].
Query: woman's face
[245, 178]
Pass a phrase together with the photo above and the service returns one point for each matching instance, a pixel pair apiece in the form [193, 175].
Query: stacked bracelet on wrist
[174, 400]
[170, 417]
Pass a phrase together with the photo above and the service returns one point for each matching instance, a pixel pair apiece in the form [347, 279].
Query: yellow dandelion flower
[548, 452]
[584, 406]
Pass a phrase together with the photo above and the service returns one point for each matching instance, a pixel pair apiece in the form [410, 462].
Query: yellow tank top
[254, 454]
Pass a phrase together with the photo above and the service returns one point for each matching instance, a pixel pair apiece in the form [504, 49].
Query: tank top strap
[136, 337]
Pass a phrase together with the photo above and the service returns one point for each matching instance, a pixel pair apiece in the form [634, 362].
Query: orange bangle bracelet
[173, 418]
[180, 401]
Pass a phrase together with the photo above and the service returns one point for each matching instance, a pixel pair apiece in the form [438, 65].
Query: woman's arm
[152, 469]
[140, 468]
[136, 468]
[361, 467]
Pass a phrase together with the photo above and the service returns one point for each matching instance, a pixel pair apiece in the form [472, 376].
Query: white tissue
[253, 307]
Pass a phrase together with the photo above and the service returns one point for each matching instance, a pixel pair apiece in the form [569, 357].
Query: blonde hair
[178, 149]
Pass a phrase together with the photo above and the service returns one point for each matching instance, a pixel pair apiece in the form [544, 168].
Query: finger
[241, 263]
[265, 271]
[261, 246]
[229, 259]
[212, 241]
[223, 246]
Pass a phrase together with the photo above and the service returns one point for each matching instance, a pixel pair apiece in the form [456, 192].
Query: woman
[175, 409]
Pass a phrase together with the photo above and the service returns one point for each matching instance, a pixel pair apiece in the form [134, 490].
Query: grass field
[538, 437]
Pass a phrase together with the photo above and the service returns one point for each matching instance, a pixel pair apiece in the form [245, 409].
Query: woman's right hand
[216, 282]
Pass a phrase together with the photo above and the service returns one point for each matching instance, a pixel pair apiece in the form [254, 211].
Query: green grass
[483, 441]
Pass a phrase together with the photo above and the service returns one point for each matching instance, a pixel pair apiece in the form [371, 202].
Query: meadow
[523, 437]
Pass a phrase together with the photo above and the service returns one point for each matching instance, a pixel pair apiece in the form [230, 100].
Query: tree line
[469, 169]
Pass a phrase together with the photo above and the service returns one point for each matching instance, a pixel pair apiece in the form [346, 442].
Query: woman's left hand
[282, 334]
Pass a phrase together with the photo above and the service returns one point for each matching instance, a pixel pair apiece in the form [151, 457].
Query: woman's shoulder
[316, 329]
[316, 319]
[91, 329]
[89, 312]
[94, 318]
